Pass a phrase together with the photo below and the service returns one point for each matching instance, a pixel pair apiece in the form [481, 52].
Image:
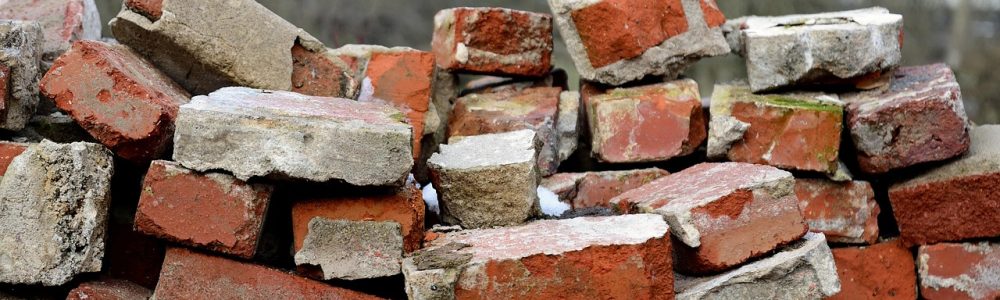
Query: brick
[121, 99]
[534, 108]
[647, 123]
[919, 118]
[846, 212]
[55, 199]
[213, 211]
[478, 40]
[487, 180]
[618, 41]
[109, 289]
[207, 45]
[20, 51]
[273, 133]
[548, 259]
[955, 201]
[596, 189]
[8, 151]
[796, 131]
[724, 214]
[959, 271]
[343, 249]
[62, 21]
[803, 270]
[880, 271]
[317, 73]
[191, 275]
[845, 47]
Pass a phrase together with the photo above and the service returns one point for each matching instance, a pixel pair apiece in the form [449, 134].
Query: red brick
[596, 189]
[713, 16]
[214, 211]
[191, 275]
[5, 88]
[613, 30]
[403, 79]
[723, 213]
[647, 123]
[62, 21]
[479, 40]
[118, 97]
[109, 289]
[316, 74]
[8, 151]
[151, 9]
[846, 212]
[404, 206]
[880, 271]
[959, 271]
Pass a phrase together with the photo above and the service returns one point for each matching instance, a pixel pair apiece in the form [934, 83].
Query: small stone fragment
[845, 212]
[482, 40]
[342, 249]
[568, 124]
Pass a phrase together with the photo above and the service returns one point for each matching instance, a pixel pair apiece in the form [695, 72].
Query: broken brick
[881, 271]
[959, 271]
[478, 40]
[846, 212]
[62, 21]
[109, 289]
[596, 189]
[315, 73]
[344, 249]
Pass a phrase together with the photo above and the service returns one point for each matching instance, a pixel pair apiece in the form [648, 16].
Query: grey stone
[803, 270]
[344, 249]
[445, 91]
[57, 127]
[20, 52]
[487, 180]
[567, 124]
[817, 48]
[283, 134]
[54, 202]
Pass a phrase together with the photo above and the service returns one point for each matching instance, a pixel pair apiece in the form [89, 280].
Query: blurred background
[962, 33]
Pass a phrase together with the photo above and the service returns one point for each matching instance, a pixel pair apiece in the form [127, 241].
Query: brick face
[477, 40]
[646, 24]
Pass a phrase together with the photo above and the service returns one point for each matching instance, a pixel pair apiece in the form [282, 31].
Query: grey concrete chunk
[20, 52]
[568, 124]
[343, 249]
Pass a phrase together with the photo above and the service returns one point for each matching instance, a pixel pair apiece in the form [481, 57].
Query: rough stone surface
[723, 214]
[259, 133]
[121, 99]
[109, 289]
[191, 275]
[57, 127]
[959, 271]
[955, 201]
[213, 211]
[481, 40]
[918, 118]
[596, 189]
[445, 91]
[880, 271]
[792, 131]
[548, 259]
[647, 123]
[54, 202]
[487, 180]
[617, 41]
[207, 45]
[62, 22]
[815, 49]
[845, 212]
[20, 51]
[9, 151]
[342, 249]
[568, 125]
[803, 270]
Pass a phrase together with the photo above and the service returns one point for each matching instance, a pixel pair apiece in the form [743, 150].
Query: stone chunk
[619, 257]
[803, 270]
[54, 202]
[342, 249]
[213, 211]
[121, 99]
[487, 180]
[845, 212]
[596, 189]
[617, 41]
[918, 118]
[959, 271]
[283, 134]
[880, 271]
[207, 45]
[724, 214]
[647, 123]
[20, 51]
[109, 289]
[493, 40]
[956, 201]
[796, 131]
[816, 49]
[62, 22]
[568, 125]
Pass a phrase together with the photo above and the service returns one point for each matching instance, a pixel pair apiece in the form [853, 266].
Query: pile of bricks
[213, 150]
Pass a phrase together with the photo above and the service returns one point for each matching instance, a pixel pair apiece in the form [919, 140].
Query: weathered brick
[959, 271]
[273, 133]
[792, 130]
[880, 271]
[955, 201]
[846, 212]
[62, 21]
[8, 151]
[344, 249]
[620, 257]
[20, 51]
[845, 47]
[109, 289]
[647, 123]
[191, 275]
[596, 189]
[918, 118]
[316, 73]
[487, 180]
[117, 96]
[617, 41]
[724, 214]
[479, 40]
[214, 211]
